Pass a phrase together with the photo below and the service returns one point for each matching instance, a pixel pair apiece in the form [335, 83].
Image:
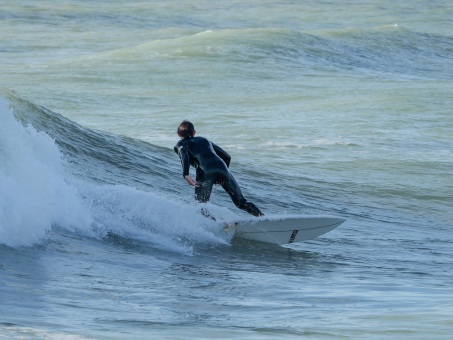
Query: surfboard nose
[286, 229]
[338, 220]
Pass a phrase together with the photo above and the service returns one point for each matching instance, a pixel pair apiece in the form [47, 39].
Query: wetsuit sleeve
[222, 154]
[183, 154]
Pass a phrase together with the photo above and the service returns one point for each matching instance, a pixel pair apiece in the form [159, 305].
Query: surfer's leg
[232, 188]
[203, 191]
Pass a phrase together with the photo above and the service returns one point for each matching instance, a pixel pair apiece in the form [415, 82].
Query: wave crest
[56, 175]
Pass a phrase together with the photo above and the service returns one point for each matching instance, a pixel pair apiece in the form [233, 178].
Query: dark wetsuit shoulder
[201, 154]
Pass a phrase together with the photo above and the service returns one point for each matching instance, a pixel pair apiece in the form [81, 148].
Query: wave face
[55, 174]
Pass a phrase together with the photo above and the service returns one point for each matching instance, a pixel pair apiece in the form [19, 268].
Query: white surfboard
[284, 229]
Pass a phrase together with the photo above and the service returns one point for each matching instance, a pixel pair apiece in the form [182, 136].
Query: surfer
[211, 163]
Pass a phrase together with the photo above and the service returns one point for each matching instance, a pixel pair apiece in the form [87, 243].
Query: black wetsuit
[211, 163]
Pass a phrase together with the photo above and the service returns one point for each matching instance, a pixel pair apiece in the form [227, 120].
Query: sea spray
[33, 192]
[153, 218]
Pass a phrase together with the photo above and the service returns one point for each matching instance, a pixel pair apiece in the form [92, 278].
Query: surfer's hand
[191, 181]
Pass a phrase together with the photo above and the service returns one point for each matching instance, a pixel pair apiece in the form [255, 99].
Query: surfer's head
[186, 129]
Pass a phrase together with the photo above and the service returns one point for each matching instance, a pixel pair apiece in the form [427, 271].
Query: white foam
[152, 217]
[33, 192]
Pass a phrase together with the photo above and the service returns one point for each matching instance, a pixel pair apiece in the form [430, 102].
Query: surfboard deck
[284, 230]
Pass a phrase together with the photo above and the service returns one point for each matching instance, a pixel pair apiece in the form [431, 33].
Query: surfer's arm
[185, 158]
[222, 154]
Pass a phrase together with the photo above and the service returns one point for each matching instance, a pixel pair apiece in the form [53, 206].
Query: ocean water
[327, 107]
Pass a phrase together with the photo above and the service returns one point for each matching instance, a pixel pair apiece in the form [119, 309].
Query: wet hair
[186, 129]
